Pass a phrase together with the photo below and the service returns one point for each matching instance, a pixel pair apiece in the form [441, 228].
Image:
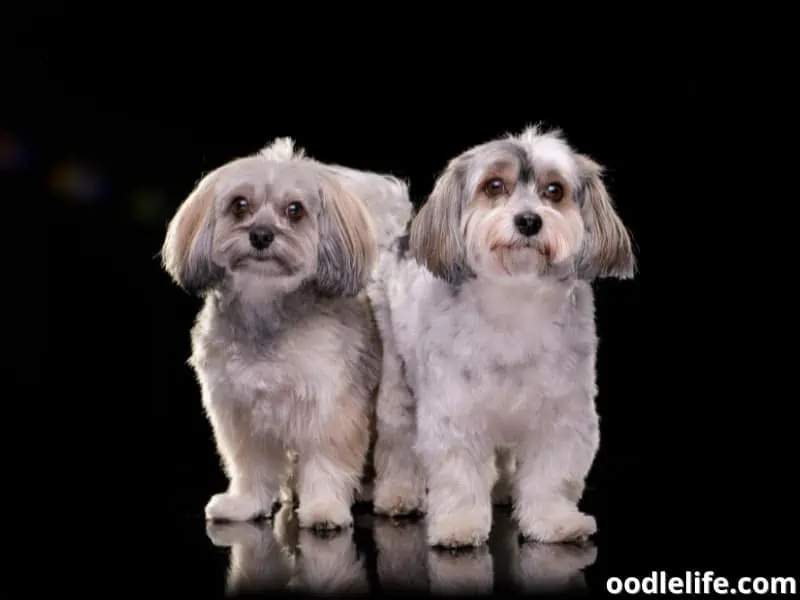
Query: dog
[285, 349]
[486, 313]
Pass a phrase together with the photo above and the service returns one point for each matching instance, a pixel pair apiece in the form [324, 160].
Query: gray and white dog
[285, 349]
[487, 317]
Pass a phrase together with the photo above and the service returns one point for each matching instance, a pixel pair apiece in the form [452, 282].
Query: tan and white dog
[286, 349]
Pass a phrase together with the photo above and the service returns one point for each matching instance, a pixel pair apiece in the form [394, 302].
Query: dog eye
[494, 188]
[239, 205]
[554, 192]
[294, 211]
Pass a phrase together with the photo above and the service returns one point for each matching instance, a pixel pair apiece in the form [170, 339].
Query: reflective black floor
[384, 555]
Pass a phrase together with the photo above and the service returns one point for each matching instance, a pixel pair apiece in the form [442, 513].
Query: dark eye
[494, 188]
[554, 192]
[295, 211]
[239, 206]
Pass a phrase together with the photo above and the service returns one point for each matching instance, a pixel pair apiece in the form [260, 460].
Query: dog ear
[435, 239]
[347, 244]
[607, 249]
[186, 252]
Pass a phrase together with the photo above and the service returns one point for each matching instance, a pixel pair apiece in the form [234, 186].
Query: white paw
[459, 529]
[324, 514]
[229, 507]
[396, 498]
[565, 525]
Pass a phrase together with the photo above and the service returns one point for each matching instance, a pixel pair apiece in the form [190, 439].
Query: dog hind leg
[399, 481]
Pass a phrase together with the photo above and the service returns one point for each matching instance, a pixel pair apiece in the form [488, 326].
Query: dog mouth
[512, 246]
[260, 256]
[542, 248]
[267, 261]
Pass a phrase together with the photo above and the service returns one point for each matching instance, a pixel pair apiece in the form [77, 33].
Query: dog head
[523, 205]
[274, 222]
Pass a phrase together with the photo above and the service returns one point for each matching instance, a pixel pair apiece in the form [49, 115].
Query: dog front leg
[399, 482]
[460, 471]
[553, 464]
[329, 472]
[255, 466]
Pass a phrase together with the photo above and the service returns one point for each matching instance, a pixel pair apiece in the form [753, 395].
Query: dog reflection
[328, 563]
[278, 555]
[537, 567]
[465, 572]
[402, 560]
[258, 562]
[406, 563]
[553, 567]
[282, 556]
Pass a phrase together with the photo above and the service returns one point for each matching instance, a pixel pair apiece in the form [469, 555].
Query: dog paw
[458, 530]
[398, 499]
[324, 516]
[563, 526]
[233, 508]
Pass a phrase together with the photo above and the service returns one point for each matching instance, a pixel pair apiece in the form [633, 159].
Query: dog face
[525, 205]
[272, 223]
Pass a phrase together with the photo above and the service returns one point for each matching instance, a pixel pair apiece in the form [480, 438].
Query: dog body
[285, 349]
[487, 317]
[305, 385]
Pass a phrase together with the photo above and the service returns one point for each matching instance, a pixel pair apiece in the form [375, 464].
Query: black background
[103, 138]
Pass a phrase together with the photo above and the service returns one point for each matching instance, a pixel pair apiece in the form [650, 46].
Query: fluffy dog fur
[285, 348]
[487, 316]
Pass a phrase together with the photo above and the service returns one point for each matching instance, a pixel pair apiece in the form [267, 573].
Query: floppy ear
[347, 245]
[435, 239]
[607, 247]
[186, 253]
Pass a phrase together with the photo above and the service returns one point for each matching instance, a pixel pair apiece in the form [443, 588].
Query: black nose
[261, 238]
[528, 223]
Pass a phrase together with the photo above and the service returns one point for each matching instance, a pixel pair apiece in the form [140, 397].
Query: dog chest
[301, 368]
[508, 370]
[295, 371]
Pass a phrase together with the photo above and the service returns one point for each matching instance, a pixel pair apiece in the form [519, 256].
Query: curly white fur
[487, 318]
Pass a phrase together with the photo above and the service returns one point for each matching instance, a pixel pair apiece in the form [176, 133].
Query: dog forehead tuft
[282, 149]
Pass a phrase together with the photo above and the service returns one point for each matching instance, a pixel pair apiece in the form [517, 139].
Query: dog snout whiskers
[528, 223]
[261, 238]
